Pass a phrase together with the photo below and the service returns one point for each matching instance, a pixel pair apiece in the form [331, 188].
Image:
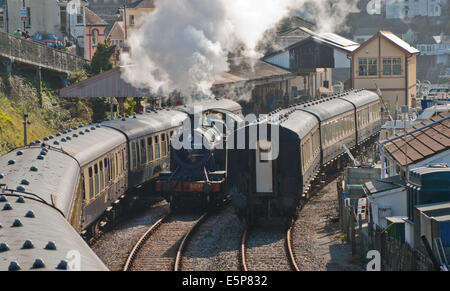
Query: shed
[387, 198]
[433, 221]
[396, 227]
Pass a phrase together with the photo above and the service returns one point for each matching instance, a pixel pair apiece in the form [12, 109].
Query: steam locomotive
[53, 190]
[198, 165]
[285, 151]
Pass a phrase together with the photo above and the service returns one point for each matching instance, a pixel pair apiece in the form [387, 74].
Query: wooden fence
[395, 256]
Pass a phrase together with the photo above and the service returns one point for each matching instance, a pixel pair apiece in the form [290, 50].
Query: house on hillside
[68, 20]
[107, 10]
[407, 9]
[130, 20]
[81, 25]
[386, 62]
[34, 16]
[437, 46]
[95, 33]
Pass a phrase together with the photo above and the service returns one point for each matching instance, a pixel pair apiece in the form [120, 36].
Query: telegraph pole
[24, 21]
[25, 122]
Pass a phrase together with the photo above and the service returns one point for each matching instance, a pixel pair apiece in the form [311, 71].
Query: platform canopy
[107, 84]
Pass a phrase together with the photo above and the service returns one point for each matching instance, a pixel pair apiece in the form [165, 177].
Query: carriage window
[116, 165]
[119, 164]
[123, 161]
[157, 149]
[102, 177]
[111, 167]
[138, 155]
[150, 149]
[133, 155]
[143, 151]
[163, 145]
[96, 182]
[91, 184]
[107, 174]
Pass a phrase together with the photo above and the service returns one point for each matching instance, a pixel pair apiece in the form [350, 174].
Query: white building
[407, 9]
[40, 16]
[72, 21]
[438, 46]
[387, 198]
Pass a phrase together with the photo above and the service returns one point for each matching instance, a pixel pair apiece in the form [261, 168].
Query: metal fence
[33, 53]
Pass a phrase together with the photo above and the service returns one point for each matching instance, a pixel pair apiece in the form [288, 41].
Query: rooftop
[142, 4]
[433, 138]
[93, 19]
[438, 211]
[107, 84]
[399, 42]
[297, 36]
[243, 69]
[388, 35]
[377, 186]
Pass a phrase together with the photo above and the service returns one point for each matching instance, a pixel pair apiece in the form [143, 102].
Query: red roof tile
[425, 143]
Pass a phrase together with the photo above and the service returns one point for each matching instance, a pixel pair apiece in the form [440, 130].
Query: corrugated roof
[94, 19]
[106, 84]
[425, 143]
[438, 211]
[377, 186]
[298, 35]
[244, 70]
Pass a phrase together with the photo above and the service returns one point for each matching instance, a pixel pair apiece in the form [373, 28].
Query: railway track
[162, 245]
[264, 250]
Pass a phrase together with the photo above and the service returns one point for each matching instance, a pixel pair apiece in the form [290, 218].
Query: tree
[102, 60]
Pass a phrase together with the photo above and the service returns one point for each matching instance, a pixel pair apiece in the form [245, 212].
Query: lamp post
[25, 123]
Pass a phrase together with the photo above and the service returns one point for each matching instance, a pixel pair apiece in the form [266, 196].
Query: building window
[372, 67]
[2, 19]
[392, 66]
[94, 37]
[80, 15]
[131, 19]
[367, 67]
[28, 17]
[63, 17]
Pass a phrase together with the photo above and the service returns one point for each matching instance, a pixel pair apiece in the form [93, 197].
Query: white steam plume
[183, 44]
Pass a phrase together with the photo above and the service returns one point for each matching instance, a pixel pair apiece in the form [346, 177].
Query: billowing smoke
[184, 44]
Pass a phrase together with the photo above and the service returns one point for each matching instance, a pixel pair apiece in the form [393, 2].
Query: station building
[387, 63]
